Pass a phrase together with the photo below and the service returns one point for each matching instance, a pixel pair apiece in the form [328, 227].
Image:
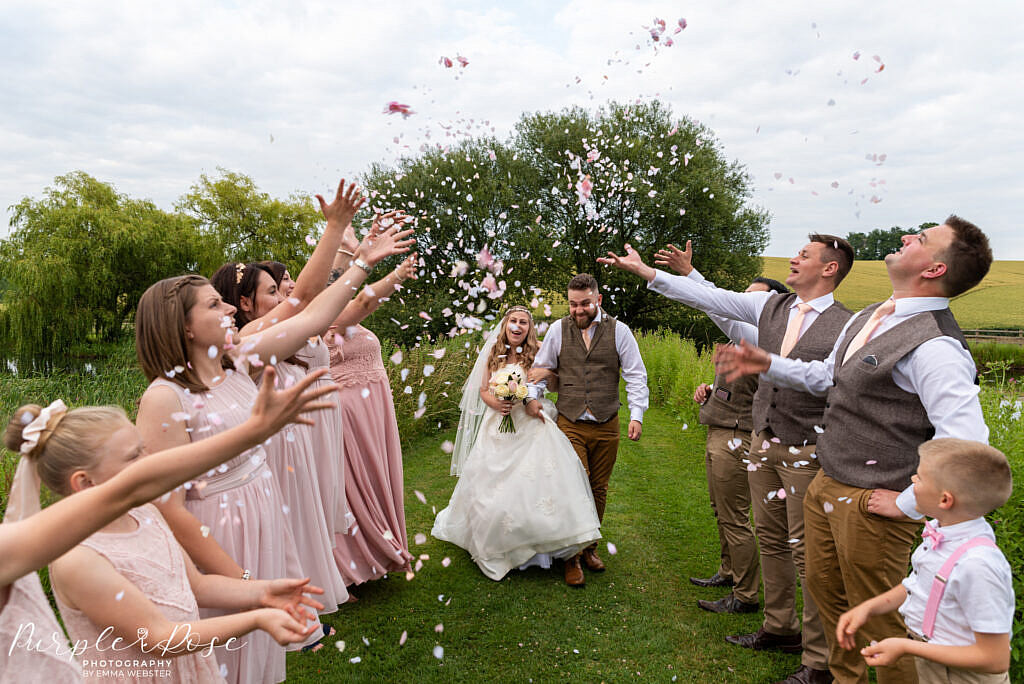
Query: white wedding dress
[523, 497]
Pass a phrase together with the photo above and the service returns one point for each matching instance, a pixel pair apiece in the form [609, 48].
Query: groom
[587, 349]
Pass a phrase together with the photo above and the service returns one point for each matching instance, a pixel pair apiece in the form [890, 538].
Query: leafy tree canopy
[568, 187]
[873, 246]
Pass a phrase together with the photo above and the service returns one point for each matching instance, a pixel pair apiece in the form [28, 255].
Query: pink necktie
[793, 329]
[862, 338]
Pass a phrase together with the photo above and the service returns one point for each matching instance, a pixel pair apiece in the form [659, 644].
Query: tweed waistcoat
[789, 414]
[588, 378]
[730, 403]
[872, 427]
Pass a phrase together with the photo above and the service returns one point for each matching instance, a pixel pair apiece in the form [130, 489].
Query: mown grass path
[637, 619]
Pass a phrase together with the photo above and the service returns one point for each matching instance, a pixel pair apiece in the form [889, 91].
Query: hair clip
[240, 268]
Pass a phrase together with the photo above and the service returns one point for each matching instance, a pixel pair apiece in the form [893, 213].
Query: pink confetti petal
[402, 639]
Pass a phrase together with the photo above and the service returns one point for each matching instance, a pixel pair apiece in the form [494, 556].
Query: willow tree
[564, 189]
[76, 262]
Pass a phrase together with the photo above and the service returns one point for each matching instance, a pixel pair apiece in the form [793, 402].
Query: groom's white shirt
[633, 370]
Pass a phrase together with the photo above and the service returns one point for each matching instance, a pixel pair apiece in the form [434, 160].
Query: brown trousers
[852, 556]
[597, 445]
[730, 502]
[777, 490]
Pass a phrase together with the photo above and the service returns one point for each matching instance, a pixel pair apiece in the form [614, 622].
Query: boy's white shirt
[979, 593]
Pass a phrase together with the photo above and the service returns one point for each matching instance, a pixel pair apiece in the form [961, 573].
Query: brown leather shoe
[716, 580]
[574, 573]
[766, 641]
[593, 563]
[729, 604]
[808, 675]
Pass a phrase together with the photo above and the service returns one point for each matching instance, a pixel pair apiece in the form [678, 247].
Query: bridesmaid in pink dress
[232, 522]
[32, 644]
[376, 543]
[327, 433]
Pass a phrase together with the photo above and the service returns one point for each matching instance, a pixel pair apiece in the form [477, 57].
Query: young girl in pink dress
[30, 638]
[376, 543]
[232, 522]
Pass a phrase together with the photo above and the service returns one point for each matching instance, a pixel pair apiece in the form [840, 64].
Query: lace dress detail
[151, 559]
[356, 360]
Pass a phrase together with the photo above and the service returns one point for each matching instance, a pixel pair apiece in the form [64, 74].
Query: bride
[523, 497]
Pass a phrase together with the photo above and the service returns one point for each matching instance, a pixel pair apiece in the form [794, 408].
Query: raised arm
[287, 337]
[30, 544]
[739, 306]
[313, 277]
[372, 296]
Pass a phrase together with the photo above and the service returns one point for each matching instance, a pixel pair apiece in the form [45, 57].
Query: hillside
[998, 302]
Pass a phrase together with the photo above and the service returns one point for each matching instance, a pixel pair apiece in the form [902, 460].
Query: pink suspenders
[941, 577]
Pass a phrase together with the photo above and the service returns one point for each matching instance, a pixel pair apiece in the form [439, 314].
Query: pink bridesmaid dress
[151, 559]
[32, 645]
[376, 541]
[327, 441]
[241, 503]
[292, 455]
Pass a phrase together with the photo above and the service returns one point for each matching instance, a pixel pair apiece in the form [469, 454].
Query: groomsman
[726, 411]
[899, 375]
[803, 325]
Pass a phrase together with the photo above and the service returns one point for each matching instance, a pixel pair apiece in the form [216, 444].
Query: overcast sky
[147, 96]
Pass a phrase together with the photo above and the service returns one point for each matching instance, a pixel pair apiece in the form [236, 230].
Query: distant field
[998, 302]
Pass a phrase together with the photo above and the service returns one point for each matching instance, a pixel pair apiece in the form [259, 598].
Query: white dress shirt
[632, 366]
[737, 306]
[979, 591]
[736, 331]
[940, 372]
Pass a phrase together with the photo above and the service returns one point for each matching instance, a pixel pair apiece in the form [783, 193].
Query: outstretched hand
[379, 246]
[734, 361]
[631, 263]
[291, 595]
[344, 207]
[276, 408]
[282, 627]
[407, 269]
[679, 260]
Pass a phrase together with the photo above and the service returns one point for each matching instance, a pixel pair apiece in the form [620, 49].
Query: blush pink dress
[151, 559]
[376, 541]
[32, 645]
[241, 502]
[328, 441]
[292, 456]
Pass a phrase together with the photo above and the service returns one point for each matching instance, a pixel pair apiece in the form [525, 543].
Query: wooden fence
[1003, 336]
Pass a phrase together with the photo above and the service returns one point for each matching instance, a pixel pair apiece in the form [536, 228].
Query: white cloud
[150, 96]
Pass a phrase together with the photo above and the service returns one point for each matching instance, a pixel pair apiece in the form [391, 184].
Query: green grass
[994, 303]
[638, 617]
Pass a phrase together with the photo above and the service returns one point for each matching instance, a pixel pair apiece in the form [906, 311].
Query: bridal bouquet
[509, 383]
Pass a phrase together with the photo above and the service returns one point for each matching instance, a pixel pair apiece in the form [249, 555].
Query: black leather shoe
[716, 580]
[729, 604]
[808, 675]
[766, 641]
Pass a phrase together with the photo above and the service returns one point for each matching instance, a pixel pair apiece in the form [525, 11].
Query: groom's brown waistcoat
[789, 414]
[588, 378]
[872, 427]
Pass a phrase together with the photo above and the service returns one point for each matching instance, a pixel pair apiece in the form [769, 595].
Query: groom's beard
[584, 323]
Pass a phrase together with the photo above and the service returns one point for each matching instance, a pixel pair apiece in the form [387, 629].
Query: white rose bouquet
[509, 383]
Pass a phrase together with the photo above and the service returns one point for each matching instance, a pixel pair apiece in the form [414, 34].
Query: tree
[77, 261]
[240, 223]
[566, 188]
[875, 245]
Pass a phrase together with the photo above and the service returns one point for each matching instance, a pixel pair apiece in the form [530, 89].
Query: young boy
[968, 637]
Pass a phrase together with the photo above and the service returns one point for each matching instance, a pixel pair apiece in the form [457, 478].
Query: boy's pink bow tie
[931, 532]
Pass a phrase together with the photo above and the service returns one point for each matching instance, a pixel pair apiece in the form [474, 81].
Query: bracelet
[246, 575]
[342, 250]
[363, 265]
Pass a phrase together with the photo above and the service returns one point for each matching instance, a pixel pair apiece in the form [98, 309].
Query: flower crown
[519, 307]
